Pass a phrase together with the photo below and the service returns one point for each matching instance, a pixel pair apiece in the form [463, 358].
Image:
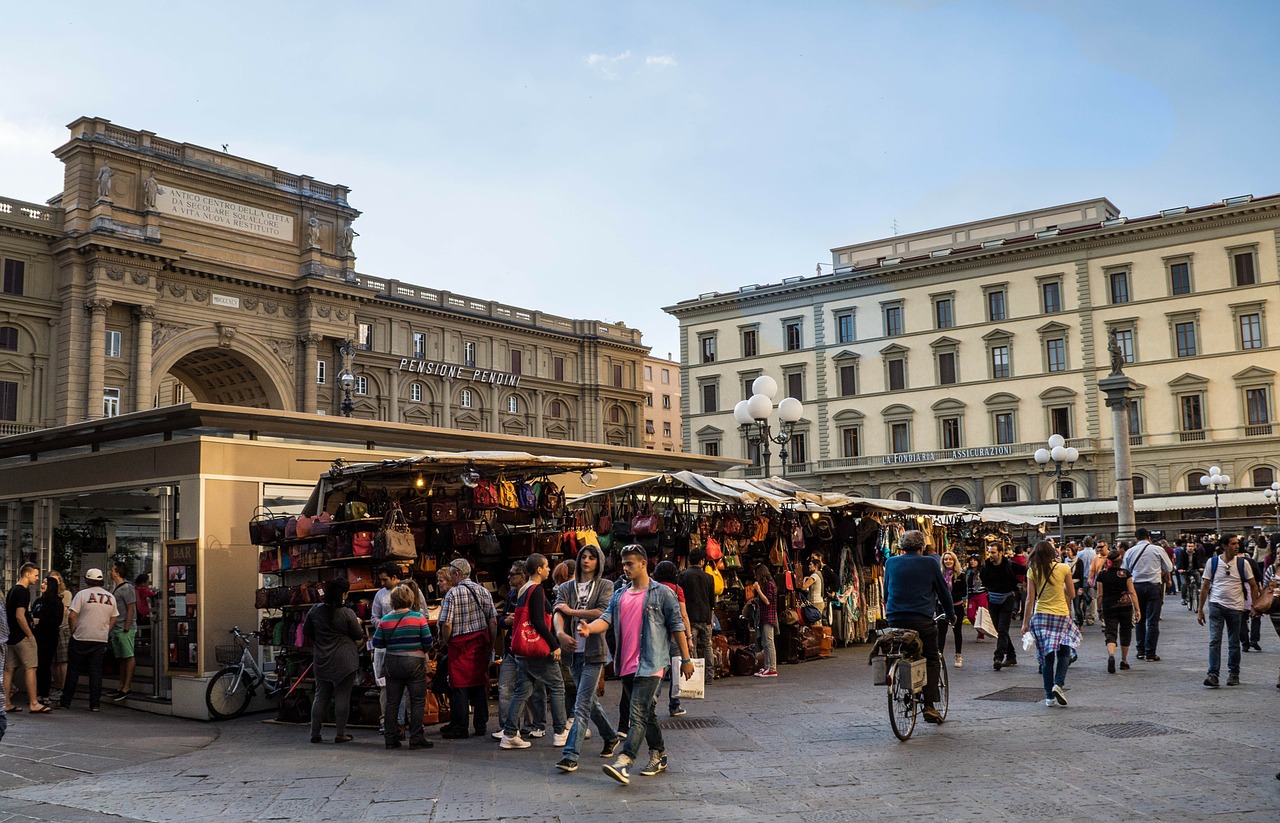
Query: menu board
[182, 577]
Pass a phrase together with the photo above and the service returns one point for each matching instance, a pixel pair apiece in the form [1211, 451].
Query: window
[8, 338]
[850, 442]
[1257, 409]
[666, 375]
[1055, 351]
[8, 400]
[517, 361]
[1066, 489]
[321, 368]
[1242, 266]
[513, 405]
[1060, 421]
[1251, 331]
[666, 428]
[465, 399]
[795, 385]
[897, 374]
[112, 348]
[666, 401]
[711, 448]
[469, 355]
[1000, 361]
[1190, 413]
[943, 313]
[1051, 296]
[1180, 277]
[708, 343]
[950, 432]
[14, 275]
[1124, 339]
[615, 414]
[617, 376]
[710, 397]
[419, 345]
[648, 427]
[750, 343]
[1005, 433]
[1119, 285]
[904, 497]
[844, 327]
[415, 392]
[1139, 484]
[900, 437]
[557, 409]
[648, 400]
[1008, 493]
[792, 333]
[946, 368]
[1263, 477]
[797, 449]
[848, 379]
[996, 305]
[1135, 419]
[557, 368]
[648, 378]
[1185, 336]
[893, 320]
[110, 402]
[362, 385]
[364, 336]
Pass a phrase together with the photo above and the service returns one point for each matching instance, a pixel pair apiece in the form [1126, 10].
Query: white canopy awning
[1161, 503]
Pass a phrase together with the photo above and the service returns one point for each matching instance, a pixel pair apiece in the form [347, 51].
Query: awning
[718, 489]
[1161, 503]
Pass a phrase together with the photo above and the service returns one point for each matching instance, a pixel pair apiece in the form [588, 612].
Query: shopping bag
[982, 622]
[694, 687]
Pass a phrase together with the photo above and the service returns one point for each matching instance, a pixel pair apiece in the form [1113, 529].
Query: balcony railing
[1135, 440]
[1261, 430]
[8, 427]
[1191, 436]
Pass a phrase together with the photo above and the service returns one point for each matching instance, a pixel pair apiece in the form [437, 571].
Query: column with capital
[310, 344]
[97, 308]
[446, 404]
[142, 393]
[538, 401]
[393, 395]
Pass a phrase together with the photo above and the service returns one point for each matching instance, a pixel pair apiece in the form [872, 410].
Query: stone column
[1117, 388]
[310, 343]
[97, 308]
[446, 404]
[538, 402]
[142, 392]
[393, 392]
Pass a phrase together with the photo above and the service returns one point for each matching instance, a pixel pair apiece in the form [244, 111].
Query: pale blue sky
[599, 159]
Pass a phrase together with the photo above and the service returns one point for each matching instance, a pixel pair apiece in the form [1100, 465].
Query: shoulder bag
[394, 541]
[525, 639]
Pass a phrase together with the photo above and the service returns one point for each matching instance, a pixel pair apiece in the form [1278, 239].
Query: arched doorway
[955, 497]
[198, 367]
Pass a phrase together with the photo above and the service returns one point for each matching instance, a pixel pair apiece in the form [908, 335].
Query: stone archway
[955, 496]
[239, 372]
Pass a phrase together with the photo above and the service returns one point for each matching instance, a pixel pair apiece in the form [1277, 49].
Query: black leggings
[955, 631]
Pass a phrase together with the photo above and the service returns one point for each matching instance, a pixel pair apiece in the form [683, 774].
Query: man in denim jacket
[645, 618]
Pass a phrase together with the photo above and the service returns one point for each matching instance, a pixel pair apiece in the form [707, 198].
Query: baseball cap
[93, 575]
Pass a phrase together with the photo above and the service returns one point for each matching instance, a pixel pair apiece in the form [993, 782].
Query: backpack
[1213, 571]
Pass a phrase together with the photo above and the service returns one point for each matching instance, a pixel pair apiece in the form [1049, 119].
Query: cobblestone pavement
[813, 745]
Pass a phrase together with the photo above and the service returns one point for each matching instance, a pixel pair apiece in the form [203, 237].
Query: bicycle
[237, 682]
[898, 662]
[1193, 592]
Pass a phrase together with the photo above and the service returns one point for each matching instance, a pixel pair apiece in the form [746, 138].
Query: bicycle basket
[226, 655]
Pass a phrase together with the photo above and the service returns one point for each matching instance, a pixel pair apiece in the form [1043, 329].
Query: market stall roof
[719, 489]
[490, 461]
[835, 500]
[1013, 519]
[1159, 503]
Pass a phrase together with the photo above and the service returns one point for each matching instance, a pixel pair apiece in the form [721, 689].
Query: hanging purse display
[713, 550]
[550, 499]
[507, 498]
[463, 533]
[394, 541]
[444, 511]
[488, 546]
[604, 523]
[526, 500]
[266, 527]
[647, 524]
[362, 544]
[485, 495]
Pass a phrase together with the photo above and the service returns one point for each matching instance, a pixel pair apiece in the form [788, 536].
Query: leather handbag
[548, 543]
[522, 544]
[1266, 601]
[604, 523]
[488, 545]
[525, 639]
[485, 495]
[550, 498]
[394, 541]
[426, 564]
[355, 510]
[444, 511]
[360, 577]
[266, 527]
[463, 532]
[646, 525]
[507, 498]
[713, 550]
[362, 544]
[717, 580]
[526, 500]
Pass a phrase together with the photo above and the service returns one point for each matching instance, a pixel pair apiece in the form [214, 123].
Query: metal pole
[1217, 515]
[764, 444]
[1062, 526]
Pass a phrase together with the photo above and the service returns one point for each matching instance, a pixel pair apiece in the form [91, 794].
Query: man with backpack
[1228, 587]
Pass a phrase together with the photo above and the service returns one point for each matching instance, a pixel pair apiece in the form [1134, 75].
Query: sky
[602, 160]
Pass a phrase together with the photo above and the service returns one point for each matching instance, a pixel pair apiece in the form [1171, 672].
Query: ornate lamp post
[1215, 481]
[345, 378]
[1062, 456]
[753, 419]
[1273, 496]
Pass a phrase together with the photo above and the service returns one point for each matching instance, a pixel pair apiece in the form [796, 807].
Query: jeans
[1234, 621]
[507, 676]
[1054, 670]
[702, 648]
[340, 693]
[534, 673]
[1255, 629]
[1080, 606]
[928, 631]
[768, 642]
[85, 657]
[587, 707]
[1187, 584]
[956, 631]
[405, 673]
[1001, 614]
[1150, 599]
[644, 722]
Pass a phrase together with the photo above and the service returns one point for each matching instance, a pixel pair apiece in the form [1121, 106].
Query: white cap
[93, 575]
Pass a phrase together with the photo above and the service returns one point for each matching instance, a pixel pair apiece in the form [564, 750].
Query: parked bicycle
[898, 662]
[237, 682]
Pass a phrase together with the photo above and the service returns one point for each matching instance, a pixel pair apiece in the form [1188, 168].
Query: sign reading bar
[430, 367]
[952, 454]
[220, 212]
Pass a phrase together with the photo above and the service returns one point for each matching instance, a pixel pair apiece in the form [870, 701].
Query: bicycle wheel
[902, 703]
[228, 694]
[943, 691]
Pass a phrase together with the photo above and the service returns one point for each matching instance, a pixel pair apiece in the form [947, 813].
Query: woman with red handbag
[537, 658]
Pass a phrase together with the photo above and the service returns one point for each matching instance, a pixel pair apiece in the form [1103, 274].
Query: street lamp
[345, 378]
[1273, 495]
[1062, 456]
[1215, 481]
[753, 419]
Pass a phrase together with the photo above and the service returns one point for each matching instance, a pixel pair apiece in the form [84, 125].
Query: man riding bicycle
[914, 588]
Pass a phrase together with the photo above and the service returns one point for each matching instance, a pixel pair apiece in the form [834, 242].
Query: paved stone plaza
[813, 745]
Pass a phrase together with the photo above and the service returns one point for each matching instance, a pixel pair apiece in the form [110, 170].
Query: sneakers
[567, 765]
[679, 711]
[1111, 664]
[1211, 681]
[586, 734]
[515, 741]
[611, 747]
[767, 673]
[1142, 655]
[120, 697]
[1153, 658]
[997, 664]
[499, 734]
[1010, 661]
[560, 738]
[1233, 680]
[1059, 696]
[536, 733]
[620, 770]
[657, 764]
[959, 662]
[1049, 701]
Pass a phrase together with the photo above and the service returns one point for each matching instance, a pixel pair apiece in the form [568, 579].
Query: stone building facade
[166, 272]
[662, 405]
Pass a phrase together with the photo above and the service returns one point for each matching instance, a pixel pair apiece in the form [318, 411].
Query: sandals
[343, 738]
[13, 709]
[42, 710]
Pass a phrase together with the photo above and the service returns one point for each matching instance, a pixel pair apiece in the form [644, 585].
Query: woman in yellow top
[1047, 614]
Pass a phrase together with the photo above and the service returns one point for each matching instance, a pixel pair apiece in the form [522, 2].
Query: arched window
[1008, 493]
[905, 497]
[1139, 484]
[513, 404]
[465, 400]
[8, 338]
[955, 497]
[1264, 476]
[557, 410]
[415, 392]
